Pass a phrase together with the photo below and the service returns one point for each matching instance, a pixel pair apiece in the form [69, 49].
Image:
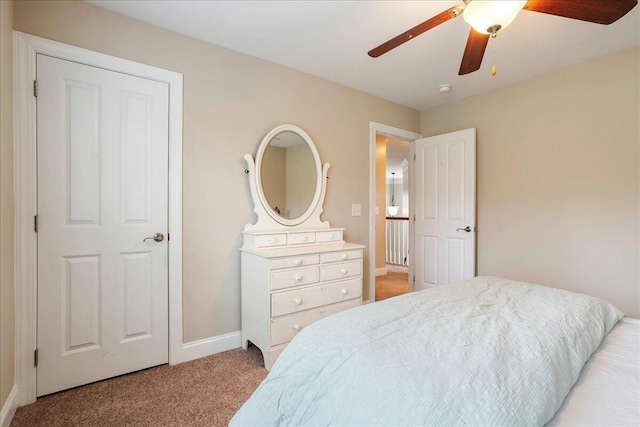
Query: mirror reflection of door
[392, 217]
[288, 175]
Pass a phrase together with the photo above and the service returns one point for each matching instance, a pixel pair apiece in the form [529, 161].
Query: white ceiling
[397, 152]
[330, 39]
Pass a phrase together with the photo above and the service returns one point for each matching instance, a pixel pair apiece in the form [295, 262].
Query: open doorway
[392, 217]
[378, 204]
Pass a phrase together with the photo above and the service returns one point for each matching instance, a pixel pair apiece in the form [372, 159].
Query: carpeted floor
[391, 284]
[204, 392]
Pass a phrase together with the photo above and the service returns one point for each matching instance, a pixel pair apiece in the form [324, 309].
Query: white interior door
[102, 188]
[445, 207]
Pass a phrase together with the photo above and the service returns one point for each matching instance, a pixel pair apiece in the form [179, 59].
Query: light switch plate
[356, 210]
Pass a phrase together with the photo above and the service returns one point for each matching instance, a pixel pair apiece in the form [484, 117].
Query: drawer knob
[297, 301]
[297, 262]
[271, 240]
[344, 256]
[303, 238]
[345, 292]
[329, 236]
[297, 327]
[297, 278]
[343, 271]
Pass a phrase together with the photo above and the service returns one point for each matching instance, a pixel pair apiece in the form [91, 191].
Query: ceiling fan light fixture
[489, 17]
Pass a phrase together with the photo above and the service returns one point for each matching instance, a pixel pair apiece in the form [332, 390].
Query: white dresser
[296, 268]
[286, 289]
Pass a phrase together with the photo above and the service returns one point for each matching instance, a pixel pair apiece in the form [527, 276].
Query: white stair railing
[397, 247]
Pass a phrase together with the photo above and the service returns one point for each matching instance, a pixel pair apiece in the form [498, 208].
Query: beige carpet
[204, 392]
[391, 285]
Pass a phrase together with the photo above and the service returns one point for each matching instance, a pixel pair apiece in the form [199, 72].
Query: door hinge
[414, 218]
[414, 278]
[35, 223]
[35, 358]
[35, 88]
[414, 156]
[168, 237]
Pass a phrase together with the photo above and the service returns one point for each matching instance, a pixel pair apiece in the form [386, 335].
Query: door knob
[158, 237]
[467, 229]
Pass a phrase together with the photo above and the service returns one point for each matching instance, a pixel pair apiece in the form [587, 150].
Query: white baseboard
[208, 346]
[9, 407]
[381, 271]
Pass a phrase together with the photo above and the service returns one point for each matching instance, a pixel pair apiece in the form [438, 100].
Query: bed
[607, 392]
[486, 351]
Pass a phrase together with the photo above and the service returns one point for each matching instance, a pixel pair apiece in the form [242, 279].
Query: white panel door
[102, 188]
[445, 207]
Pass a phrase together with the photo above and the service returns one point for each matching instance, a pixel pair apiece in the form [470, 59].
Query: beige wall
[230, 102]
[274, 177]
[301, 179]
[558, 177]
[381, 198]
[7, 342]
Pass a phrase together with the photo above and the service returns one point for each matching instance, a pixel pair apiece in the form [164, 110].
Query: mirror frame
[319, 172]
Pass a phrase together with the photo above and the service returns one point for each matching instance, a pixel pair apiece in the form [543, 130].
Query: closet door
[102, 189]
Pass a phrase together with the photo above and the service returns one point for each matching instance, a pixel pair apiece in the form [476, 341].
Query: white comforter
[486, 351]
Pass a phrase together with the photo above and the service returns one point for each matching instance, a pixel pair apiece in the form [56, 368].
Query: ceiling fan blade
[416, 31]
[473, 52]
[596, 11]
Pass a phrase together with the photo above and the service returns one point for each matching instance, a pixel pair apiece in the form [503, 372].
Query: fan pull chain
[494, 70]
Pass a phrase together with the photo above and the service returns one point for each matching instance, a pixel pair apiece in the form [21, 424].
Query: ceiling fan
[488, 17]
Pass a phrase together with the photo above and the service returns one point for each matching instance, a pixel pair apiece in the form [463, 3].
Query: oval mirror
[289, 174]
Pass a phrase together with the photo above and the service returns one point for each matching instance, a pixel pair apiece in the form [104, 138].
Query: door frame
[395, 133]
[26, 47]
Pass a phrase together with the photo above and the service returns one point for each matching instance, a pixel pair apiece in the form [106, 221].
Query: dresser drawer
[296, 277]
[297, 261]
[301, 238]
[285, 328]
[306, 298]
[271, 240]
[329, 236]
[341, 270]
[341, 256]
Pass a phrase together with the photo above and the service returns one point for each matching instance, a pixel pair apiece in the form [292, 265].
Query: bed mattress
[607, 392]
